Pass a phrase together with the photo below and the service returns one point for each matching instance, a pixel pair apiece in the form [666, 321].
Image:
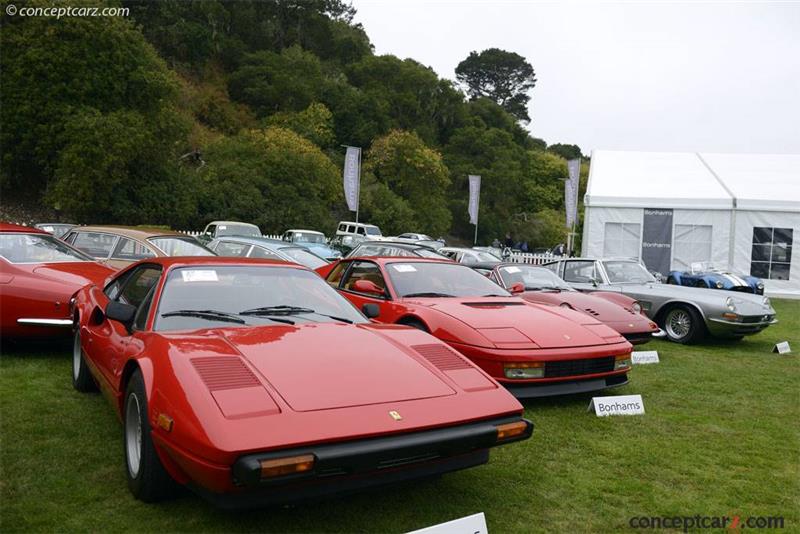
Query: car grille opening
[589, 366]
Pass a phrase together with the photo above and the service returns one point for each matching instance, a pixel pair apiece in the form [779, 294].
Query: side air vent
[441, 357]
[221, 373]
[591, 311]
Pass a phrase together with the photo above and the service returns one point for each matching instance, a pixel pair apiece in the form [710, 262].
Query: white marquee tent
[738, 211]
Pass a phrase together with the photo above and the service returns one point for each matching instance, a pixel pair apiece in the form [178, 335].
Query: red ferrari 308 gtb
[533, 350]
[540, 285]
[254, 382]
[38, 276]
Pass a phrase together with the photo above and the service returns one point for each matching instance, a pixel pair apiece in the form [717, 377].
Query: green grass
[721, 436]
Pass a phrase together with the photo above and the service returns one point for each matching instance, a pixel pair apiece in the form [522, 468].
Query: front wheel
[683, 325]
[147, 478]
[81, 377]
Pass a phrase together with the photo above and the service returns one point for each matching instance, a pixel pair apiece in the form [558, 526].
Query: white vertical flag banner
[474, 198]
[352, 177]
[571, 190]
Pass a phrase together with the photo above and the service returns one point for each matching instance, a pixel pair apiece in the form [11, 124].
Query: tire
[683, 324]
[147, 478]
[81, 377]
[413, 323]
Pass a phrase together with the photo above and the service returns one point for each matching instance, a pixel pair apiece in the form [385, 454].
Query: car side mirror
[371, 310]
[367, 286]
[517, 288]
[120, 312]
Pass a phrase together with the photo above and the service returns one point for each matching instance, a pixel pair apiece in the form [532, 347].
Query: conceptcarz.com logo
[695, 522]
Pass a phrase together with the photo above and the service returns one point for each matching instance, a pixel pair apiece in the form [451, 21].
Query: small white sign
[404, 268]
[472, 524]
[196, 275]
[782, 348]
[617, 405]
[644, 356]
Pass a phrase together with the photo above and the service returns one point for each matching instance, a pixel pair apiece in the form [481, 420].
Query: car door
[363, 270]
[107, 340]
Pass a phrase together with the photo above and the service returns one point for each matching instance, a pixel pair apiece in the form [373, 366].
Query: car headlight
[719, 284]
[524, 370]
[760, 285]
[730, 304]
[766, 302]
[622, 361]
[637, 308]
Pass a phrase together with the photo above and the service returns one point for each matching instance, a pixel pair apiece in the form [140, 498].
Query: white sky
[662, 76]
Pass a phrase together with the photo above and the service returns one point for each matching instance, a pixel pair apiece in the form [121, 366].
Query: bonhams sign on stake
[617, 405]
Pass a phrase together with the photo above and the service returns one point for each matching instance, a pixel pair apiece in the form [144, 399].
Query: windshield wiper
[289, 310]
[427, 294]
[211, 315]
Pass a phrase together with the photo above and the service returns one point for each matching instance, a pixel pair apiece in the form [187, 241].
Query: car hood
[511, 322]
[599, 308]
[312, 369]
[76, 273]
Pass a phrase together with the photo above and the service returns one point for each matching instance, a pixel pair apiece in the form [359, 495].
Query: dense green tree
[274, 178]
[416, 173]
[505, 77]
[315, 123]
[566, 151]
[381, 206]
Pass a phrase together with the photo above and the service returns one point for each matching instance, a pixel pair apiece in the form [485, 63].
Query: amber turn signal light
[287, 466]
[511, 430]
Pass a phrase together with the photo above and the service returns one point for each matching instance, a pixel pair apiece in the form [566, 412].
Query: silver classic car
[686, 314]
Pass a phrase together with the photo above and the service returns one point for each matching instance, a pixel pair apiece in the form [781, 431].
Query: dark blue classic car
[704, 274]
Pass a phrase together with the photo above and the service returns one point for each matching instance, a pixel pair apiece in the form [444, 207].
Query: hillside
[188, 111]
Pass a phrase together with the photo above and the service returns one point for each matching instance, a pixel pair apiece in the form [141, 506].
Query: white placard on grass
[644, 356]
[617, 405]
[782, 348]
[471, 524]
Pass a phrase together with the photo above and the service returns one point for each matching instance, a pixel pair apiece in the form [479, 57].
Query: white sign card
[404, 268]
[617, 405]
[644, 356]
[471, 524]
[782, 348]
[196, 275]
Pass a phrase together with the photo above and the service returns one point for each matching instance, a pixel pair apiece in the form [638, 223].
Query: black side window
[113, 288]
[140, 320]
[363, 270]
[139, 284]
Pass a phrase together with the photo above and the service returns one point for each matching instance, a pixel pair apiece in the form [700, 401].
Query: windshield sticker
[403, 268]
[512, 270]
[194, 275]
[222, 227]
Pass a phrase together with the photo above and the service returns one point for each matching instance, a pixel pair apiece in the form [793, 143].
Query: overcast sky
[664, 76]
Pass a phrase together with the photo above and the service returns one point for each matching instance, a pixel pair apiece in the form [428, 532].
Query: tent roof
[693, 180]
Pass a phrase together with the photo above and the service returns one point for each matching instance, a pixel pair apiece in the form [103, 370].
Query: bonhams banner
[571, 190]
[657, 240]
[352, 177]
[474, 198]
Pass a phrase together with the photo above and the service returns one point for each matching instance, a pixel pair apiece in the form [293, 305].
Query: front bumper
[747, 326]
[571, 387]
[357, 465]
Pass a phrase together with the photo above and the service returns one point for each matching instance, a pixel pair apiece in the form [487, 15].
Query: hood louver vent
[591, 311]
[220, 373]
[441, 357]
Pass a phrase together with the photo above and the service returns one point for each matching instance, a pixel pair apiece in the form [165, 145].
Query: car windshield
[180, 246]
[373, 230]
[427, 253]
[621, 272]
[308, 237]
[533, 278]
[238, 229]
[56, 229]
[440, 280]
[240, 295]
[485, 256]
[37, 248]
[304, 257]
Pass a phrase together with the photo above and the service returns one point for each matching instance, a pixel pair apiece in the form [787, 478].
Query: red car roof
[10, 227]
[180, 261]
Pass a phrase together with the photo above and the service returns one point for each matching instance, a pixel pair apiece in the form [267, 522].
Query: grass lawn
[721, 436]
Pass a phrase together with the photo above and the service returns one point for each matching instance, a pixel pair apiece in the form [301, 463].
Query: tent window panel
[692, 244]
[771, 255]
[622, 240]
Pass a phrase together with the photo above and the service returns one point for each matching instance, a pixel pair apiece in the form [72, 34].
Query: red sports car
[540, 285]
[533, 350]
[39, 273]
[253, 382]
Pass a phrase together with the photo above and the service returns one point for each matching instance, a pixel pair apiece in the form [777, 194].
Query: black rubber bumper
[353, 466]
[570, 387]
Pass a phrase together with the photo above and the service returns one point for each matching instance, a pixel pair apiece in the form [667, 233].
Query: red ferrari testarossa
[254, 382]
[532, 349]
[39, 273]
